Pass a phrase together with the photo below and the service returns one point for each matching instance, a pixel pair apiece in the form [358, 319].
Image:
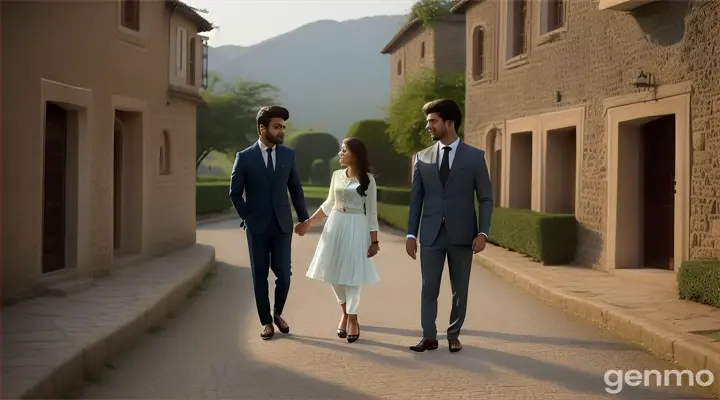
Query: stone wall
[597, 57]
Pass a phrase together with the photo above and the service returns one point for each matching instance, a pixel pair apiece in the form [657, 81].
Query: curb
[665, 343]
[68, 376]
[220, 218]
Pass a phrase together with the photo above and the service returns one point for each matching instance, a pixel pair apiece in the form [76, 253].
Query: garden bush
[548, 238]
[391, 168]
[393, 195]
[334, 164]
[319, 173]
[310, 146]
[212, 197]
[699, 281]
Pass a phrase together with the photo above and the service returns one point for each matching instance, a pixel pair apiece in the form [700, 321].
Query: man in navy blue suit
[262, 176]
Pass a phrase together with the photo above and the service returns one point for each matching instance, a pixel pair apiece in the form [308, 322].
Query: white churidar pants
[348, 295]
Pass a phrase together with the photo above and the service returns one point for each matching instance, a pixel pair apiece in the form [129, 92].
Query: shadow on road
[204, 353]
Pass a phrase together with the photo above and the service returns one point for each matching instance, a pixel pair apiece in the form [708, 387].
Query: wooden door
[54, 188]
[659, 192]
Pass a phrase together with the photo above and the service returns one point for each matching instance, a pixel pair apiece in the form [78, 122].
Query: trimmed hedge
[548, 238]
[212, 197]
[699, 281]
[319, 173]
[390, 167]
[396, 196]
[310, 146]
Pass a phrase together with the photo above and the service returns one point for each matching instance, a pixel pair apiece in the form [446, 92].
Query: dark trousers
[432, 262]
[270, 250]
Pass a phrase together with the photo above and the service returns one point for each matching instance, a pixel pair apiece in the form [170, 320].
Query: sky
[248, 22]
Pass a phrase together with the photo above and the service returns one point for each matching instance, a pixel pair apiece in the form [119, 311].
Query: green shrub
[392, 195]
[334, 164]
[319, 173]
[391, 168]
[310, 146]
[699, 281]
[548, 238]
[212, 197]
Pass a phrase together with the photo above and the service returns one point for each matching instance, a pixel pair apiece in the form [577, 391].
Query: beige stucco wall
[592, 64]
[77, 52]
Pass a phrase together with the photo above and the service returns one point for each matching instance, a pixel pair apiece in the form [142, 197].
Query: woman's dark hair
[362, 162]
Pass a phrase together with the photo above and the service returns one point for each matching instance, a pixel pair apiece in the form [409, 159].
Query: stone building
[415, 47]
[608, 109]
[99, 102]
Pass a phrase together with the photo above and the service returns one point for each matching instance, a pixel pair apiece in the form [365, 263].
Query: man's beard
[274, 139]
[437, 136]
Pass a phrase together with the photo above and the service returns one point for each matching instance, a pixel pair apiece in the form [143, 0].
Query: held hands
[373, 249]
[479, 243]
[301, 228]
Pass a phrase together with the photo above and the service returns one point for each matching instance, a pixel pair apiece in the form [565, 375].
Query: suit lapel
[457, 161]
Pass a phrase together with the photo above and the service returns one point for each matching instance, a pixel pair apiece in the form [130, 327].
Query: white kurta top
[343, 196]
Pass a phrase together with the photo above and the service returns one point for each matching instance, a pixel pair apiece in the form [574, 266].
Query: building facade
[99, 103]
[607, 109]
[415, 47]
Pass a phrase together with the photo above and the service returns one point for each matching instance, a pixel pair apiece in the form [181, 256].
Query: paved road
[515, 346]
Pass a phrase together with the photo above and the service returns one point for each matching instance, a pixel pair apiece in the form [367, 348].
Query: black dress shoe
[454, 345]
[267, 332]
[281, 324]
[425, 344]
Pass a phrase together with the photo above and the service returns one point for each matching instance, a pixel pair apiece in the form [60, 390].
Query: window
[164, 156]
[478, 46]
[517, 37]
[399, 67]
[205, 65]
[130, 14]
[191, 63]
[422, 50]
[181, 51]
[552, 15]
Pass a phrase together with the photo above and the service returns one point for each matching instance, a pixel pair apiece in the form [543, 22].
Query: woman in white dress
[343, 257]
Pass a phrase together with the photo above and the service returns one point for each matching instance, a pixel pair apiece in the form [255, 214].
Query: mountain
[329, 73]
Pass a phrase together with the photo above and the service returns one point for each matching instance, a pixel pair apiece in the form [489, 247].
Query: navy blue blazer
[265, 192]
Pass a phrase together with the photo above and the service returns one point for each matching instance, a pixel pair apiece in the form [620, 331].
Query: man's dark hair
[447, 109]
[266, 113]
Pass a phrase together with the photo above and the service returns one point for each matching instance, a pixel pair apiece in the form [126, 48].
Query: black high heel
[342, 333]
[354, 338]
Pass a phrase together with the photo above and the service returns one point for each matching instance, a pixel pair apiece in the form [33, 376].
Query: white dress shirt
[263, 149]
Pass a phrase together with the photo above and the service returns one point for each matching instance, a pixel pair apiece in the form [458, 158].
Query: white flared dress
[341, 254]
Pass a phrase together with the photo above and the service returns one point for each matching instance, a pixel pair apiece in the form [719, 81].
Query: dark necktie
[445, 165]
[270, 167]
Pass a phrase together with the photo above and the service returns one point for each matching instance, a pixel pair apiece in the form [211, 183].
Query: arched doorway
[493, 146]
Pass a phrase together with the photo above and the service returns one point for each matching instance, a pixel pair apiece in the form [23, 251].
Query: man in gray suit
[447, 177]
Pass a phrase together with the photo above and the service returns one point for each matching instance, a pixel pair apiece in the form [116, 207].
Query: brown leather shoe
[454, 345]
[281, 324]
[267, 332]
[425, 344]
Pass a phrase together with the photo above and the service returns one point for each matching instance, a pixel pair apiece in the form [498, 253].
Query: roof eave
[399, 35]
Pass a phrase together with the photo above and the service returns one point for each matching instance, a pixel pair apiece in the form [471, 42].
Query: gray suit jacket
[430, 202]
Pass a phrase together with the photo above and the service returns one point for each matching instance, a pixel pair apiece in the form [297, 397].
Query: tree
[430, 11]
[227, 122]
[406, 121]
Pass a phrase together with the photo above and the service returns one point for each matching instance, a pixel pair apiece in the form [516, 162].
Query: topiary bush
[334, 164]
[310, 146]
[212, 197]
[548, 238]
[699, 281]
[319, 173]
[391, 168]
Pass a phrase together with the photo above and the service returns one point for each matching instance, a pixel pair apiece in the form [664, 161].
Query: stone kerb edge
[662, 342]
[70, 375]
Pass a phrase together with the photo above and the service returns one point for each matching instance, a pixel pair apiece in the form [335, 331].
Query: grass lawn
[394, 215]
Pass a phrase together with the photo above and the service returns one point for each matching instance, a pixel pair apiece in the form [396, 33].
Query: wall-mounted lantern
[643, 80]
